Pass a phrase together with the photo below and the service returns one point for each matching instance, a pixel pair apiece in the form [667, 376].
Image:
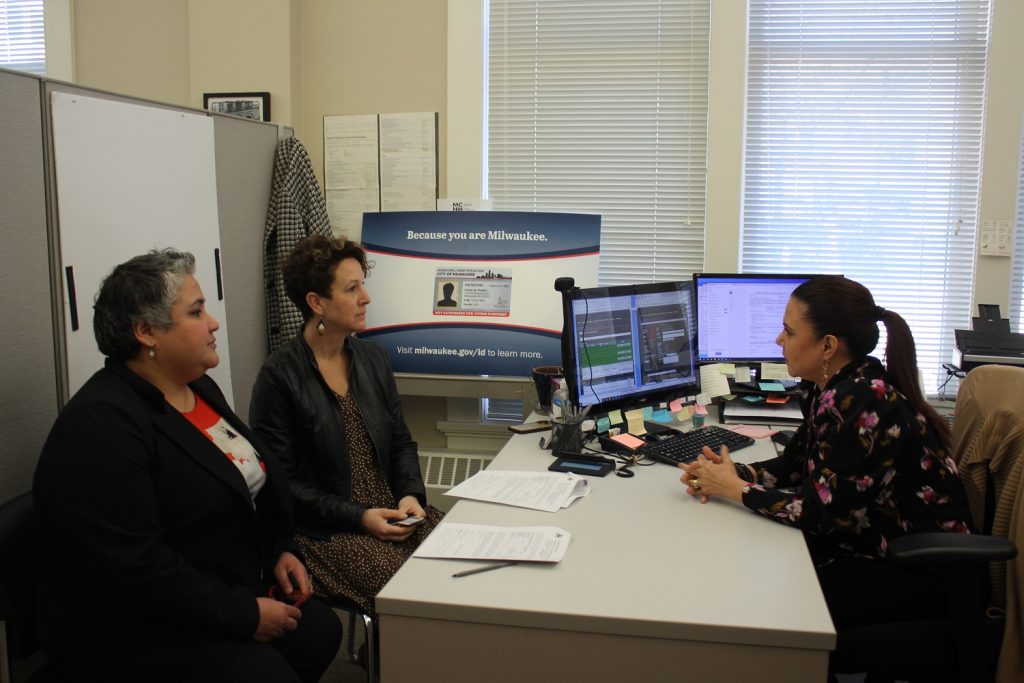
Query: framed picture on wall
[248, 105]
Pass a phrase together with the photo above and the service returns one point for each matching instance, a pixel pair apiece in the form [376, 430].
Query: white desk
[654, 587]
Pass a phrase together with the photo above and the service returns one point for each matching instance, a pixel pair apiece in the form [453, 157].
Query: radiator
[441, 471]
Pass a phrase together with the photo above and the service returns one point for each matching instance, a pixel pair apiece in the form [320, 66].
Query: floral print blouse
[864, 467]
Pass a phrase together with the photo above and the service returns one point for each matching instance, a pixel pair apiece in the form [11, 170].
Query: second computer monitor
[739, 316]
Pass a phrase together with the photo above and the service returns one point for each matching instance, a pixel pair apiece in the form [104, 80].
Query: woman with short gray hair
[176, 521]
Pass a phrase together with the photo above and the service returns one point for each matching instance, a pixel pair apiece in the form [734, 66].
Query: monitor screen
[739, 316]
[629, 344]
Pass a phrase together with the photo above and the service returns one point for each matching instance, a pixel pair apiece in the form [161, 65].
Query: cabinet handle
[220, 285]
[69, 277]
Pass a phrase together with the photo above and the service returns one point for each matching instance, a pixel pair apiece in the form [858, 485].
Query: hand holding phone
[411, 520]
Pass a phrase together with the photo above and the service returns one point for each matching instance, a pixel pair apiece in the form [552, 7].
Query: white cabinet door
[131, 178]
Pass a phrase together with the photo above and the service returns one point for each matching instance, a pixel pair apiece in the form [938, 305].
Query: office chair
[985, 591]
[18, 587]
[369, 659]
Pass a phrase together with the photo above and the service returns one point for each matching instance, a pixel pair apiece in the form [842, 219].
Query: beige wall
[133, 48]
[315, 57]
[242, 46]
[386, 56]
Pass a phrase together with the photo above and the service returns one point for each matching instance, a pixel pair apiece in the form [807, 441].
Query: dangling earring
[152, 352]
[824, 369]
[320, 327]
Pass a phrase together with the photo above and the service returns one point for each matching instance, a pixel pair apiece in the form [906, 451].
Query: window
[602, 108]
[22, 44]
[1017, 278]
[863, 151]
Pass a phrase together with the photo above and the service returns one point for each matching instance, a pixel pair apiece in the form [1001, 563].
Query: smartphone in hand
[411, 520]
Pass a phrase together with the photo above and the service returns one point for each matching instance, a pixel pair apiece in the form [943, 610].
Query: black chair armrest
[943, 548]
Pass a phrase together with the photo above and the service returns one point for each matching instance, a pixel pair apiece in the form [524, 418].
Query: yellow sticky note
[727, 369]
[615, 417]
[635, 422]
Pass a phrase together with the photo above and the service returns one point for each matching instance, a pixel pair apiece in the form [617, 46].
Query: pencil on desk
[487, 568]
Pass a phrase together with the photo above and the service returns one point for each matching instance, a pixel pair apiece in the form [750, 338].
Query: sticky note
[700, 410]
[712, 382]
[753, 398]
[753, 431]
[776, 371]
[635, 422]
[743, 374]
[771, 386]
[676, 405]
[629, 441]
[727, 369]
[615, 417]
[648, 412]
[661, 415]
[603, 424]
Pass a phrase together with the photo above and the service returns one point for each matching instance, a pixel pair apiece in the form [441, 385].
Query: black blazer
[296, 416]
[149, 542]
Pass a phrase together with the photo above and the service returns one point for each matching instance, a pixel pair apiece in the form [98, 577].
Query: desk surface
[646, 560]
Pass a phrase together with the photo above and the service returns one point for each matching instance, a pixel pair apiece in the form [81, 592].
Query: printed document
[478, 542]
[547, 491]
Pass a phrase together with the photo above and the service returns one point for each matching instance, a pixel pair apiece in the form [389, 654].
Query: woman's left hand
[293, 579]
[713, 475]
[410, 505]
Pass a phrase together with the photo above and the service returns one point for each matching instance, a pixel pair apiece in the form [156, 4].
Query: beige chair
[988, 438]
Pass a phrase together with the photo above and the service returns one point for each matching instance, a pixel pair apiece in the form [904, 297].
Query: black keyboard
[686, 446]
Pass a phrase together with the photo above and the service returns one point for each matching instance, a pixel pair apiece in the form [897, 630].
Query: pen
[487, 568]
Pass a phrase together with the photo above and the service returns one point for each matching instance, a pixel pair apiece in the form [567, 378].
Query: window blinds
[1017, 276]
[22, 41]
[863, 151]
[601, 107]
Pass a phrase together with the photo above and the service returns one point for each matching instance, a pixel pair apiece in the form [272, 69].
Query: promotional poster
[472, 292]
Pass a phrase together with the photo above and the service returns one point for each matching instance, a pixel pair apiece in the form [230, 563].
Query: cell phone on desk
[530, 427]
[411, 520]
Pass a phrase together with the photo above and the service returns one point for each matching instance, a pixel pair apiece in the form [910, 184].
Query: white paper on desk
[712, 381]
[547, 491]
[478, 542]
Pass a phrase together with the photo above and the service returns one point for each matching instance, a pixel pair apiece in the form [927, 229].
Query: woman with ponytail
[870, 462]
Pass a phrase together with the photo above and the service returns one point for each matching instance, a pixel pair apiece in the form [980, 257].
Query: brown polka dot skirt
[353, 567]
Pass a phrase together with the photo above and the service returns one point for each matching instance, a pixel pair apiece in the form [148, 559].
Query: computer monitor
[628, 345]
[739, 316]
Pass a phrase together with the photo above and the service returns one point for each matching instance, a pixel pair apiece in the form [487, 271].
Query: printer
[990, 342]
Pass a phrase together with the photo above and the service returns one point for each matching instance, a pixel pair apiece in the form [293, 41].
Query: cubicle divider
[33, 368]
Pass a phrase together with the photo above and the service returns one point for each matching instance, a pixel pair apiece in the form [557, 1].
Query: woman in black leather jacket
[326, 406]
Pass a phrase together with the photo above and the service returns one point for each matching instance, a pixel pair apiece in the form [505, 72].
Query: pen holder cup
[544, 381]
[566, 438]
[698, 421]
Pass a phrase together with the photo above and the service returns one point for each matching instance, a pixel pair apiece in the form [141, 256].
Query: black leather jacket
[295, 414]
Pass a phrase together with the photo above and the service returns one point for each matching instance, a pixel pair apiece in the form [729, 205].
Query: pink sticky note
[629, 441]
[753, 431]
[675, 406]
[700, 410]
